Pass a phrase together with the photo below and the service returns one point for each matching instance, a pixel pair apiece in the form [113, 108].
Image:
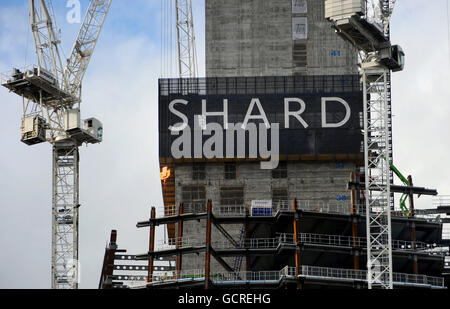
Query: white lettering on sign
[224, 114]
[262, 114]
[297, 114]
[255, 126]
[348, 113]
[179, 127]
[294, 108]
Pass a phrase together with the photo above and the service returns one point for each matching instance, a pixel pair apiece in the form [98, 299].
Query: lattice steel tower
[366, 25]
[187, 54]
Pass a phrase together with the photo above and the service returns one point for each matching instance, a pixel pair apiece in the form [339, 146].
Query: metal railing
[184, 275]
[336, 273]
[361, 242]
[441, 200]
[288, 239]
[318, 206]
[333, 273]
[168, 211]
[9, 76]
[26, 72]
[180, 242]
[188, 208]
[255, 243]
[230, 211]
[338, 208]
[246, 276]
[260, 85]
[311, 272]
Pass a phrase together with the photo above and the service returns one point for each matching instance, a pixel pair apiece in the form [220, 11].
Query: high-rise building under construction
[280, 86]
[248, 42]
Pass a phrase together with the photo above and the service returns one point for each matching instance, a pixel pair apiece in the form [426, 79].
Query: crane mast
[51, 96]
[187, 54]
[366, 25]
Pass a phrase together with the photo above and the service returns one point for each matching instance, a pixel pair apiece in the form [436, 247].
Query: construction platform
[328, 250]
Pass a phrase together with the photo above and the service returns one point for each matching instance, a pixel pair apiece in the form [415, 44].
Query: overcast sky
[119, 179]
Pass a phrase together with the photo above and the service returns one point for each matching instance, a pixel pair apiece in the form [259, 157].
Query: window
[230, 170]
[280, 171]
[232, 196]
[194, 199]
[279, 197]
[198, 171]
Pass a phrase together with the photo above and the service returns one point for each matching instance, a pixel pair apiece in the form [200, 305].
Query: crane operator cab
[95, 128]
[393, 57]
[91, 132]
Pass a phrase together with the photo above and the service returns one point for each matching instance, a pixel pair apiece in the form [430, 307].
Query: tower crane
[366, 25]
[187, 53]
[51, 97]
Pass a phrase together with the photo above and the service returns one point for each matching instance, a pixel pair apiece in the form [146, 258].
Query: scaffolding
[413, 253]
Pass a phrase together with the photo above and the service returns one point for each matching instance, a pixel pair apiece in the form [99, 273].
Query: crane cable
[167, 19]
[448, 29]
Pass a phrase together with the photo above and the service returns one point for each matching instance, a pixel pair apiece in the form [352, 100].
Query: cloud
[421, 94]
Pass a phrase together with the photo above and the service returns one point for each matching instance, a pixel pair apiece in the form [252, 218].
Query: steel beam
[151, 248]
[354, 227]
[247, 236]
[108, 262]
[208, 246]
[298, 268]
[179, 240]
[396, 189]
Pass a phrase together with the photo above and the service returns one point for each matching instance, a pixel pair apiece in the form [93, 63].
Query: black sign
[316, 115]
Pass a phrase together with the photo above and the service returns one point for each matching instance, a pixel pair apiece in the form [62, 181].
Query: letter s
[178, 114]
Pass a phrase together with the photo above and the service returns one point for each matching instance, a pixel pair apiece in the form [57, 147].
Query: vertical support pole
[413, 240]
[377, 152]
[151, 248]
[76, 215]
[413, 228]
[108, 263]
[65, 219]
[208, 245]
[54, 218]
[354, 227]
[187, 54]
[247, 236]
[298, 270]
[411, 198]
[179, 241]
